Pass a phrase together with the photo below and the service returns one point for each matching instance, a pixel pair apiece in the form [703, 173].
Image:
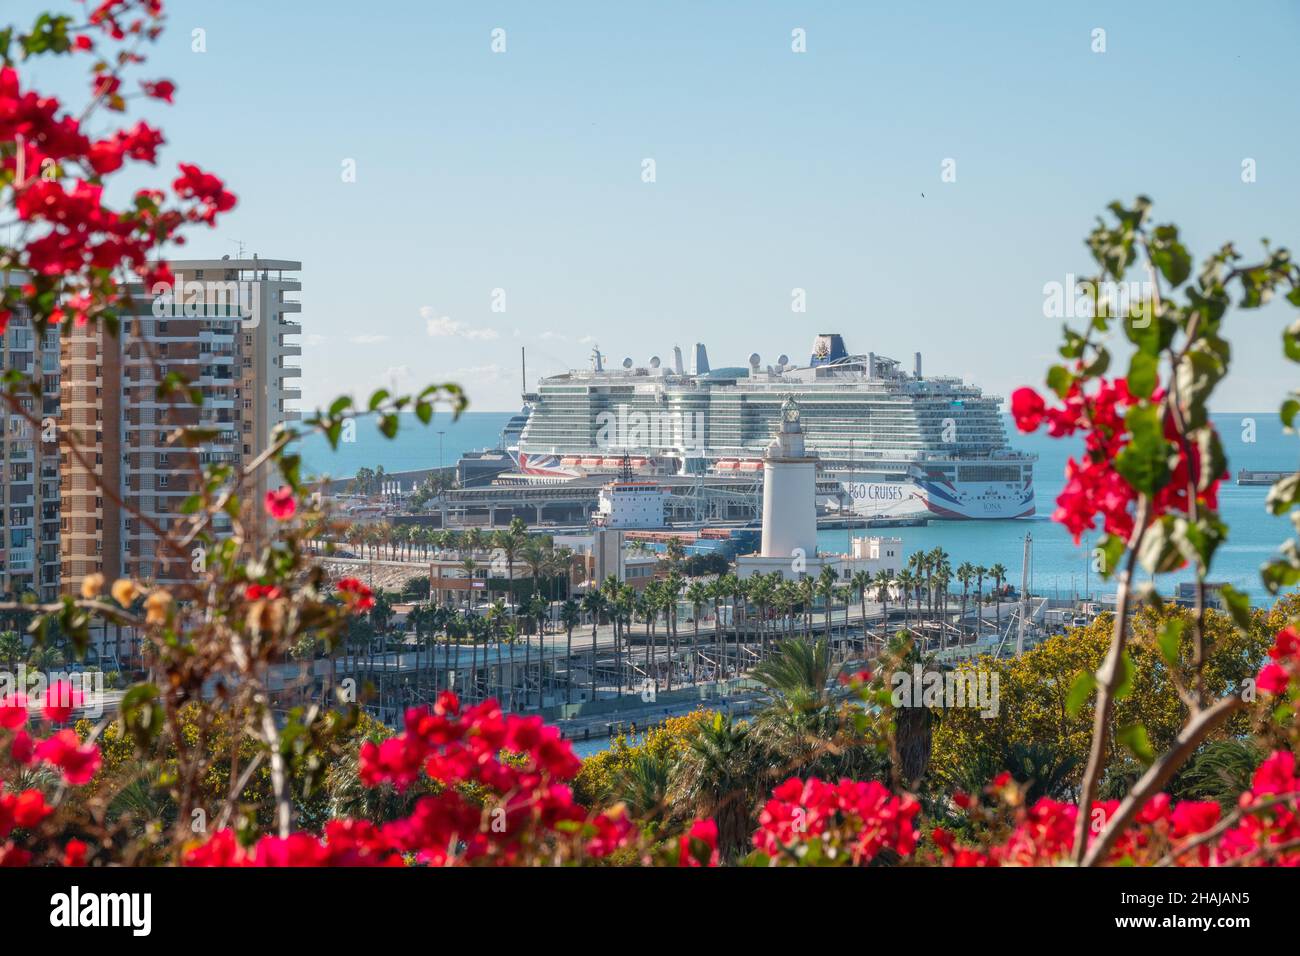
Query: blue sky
[774, 170]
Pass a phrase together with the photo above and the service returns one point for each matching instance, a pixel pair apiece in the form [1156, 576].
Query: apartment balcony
[21, 560]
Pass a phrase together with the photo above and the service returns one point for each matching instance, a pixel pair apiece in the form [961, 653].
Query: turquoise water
[414, 448]
[1059, 567]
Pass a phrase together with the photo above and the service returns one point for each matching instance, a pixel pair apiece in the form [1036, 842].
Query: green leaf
[1238, 606]
[140, 713]
[1124, 687]
[1134, 739]
[1144, 462]
[1059, 380]
[1112, 548]
[1142, 371]
[1083, 686]
[1289, 410]
[1170, 256]
[1168, 639]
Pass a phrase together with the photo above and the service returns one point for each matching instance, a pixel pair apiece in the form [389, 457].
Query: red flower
[22, 750]
[1027, 409]
[65, 751]
[1276, 775]
[255, 592]
[106, 85]
[1286, 645]
[1193, 816]
[61, 699]
[281, 503]
[74, 854]
[25, 810]
[1273, 679]
[13, 712]
[699, 846]
[208, 190]
[863, 817]
[161, 90]
[355, 594]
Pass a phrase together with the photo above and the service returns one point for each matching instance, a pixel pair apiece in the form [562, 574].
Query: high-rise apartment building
[29, 464]
[224, 327]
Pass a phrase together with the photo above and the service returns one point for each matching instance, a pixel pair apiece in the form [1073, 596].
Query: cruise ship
[899, 444]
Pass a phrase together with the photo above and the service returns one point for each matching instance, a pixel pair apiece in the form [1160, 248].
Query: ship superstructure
[898, 443]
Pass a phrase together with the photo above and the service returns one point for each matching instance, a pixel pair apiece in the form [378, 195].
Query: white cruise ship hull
[967, 501]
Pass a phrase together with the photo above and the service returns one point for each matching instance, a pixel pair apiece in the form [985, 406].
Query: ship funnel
[918, 364]
[677, 360]
[701, 366]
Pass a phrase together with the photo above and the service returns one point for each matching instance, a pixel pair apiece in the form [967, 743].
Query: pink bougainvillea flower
[281, 503]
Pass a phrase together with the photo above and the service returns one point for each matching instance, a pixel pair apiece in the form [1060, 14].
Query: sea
[1058, 566]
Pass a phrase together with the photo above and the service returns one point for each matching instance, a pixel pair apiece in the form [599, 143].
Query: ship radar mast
[597, 360]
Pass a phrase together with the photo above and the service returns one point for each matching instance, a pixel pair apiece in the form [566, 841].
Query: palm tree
[648, 608]
[570, 614]
[800, 672]
[469, 567]
[496, 617]
[735, 588]
[473, 538]
[718, 776]
[672, 593]
[826, 590]
[536, 611]
[696, 595]
[916, 563]
[906, 585]
[882, 582]
[938, 565]
[808, 593]
[11, 650]
[998, 573]
[718, 592]
[860, 581]
[593, 602]
[611, 588]
[912, 725]
[965, 574]
[642, 785]
[942, 576]
[509, 541]
[761, 592]
[624, 606]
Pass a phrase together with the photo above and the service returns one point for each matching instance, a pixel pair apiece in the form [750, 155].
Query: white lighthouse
[789, 491]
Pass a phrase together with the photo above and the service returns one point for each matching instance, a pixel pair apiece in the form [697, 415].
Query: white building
[789, 543]
[632, 504]
[789, 491]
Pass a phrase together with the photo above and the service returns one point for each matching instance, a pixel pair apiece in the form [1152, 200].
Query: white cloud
[442, 326]
[368, 339]
[481, 373]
